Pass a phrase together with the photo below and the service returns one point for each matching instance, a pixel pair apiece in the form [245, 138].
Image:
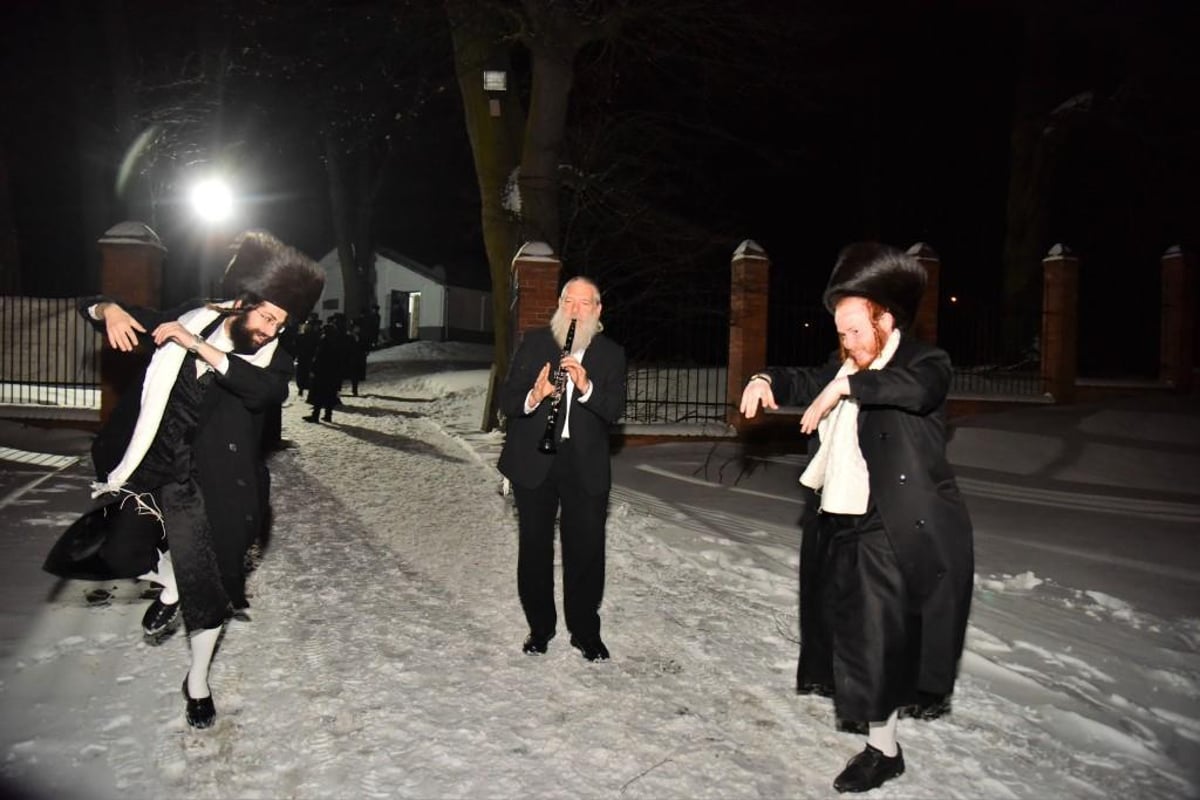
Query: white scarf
[156, 389]
[838, 470]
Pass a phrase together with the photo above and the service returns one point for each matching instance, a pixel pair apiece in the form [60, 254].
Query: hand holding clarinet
[568, 366]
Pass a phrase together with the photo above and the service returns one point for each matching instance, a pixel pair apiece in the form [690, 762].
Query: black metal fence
[995, 354]
[677, 348]
[49, 356]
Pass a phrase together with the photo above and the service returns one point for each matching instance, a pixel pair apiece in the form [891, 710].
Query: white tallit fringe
[156, 388]
[146, 505]
[838, 470]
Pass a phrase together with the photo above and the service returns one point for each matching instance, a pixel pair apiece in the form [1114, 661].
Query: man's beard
[585, 330]
[242, 337]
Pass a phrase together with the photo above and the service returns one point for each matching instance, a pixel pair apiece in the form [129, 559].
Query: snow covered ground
[381, 657]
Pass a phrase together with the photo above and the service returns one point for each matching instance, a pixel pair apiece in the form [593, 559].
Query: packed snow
[381, 654]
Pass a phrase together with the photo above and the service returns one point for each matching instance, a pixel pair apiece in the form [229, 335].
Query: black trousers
[583, 519]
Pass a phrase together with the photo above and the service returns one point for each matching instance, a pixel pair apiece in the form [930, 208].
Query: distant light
[495, 80]
[953, 298]
[806, 324]
[212, 200]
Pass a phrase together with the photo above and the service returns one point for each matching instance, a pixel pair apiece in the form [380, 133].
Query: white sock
[164, 575]
[882, 735]
[203, 644]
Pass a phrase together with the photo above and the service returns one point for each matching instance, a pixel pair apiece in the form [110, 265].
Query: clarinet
[546, 445]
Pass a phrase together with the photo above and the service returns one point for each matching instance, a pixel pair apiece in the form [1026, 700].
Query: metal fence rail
[677, 348]
[994, 354]
[49, 356]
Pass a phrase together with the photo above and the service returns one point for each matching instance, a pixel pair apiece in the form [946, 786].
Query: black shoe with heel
[159, 616]
[869, 770]
[200, 712]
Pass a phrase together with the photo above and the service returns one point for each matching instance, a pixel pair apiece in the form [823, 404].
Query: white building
[416, 301]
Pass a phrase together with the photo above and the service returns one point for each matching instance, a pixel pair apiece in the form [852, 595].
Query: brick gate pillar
[131, 258]
[535, 274]
[750, 278]
[1177, 345]
[1060, 323]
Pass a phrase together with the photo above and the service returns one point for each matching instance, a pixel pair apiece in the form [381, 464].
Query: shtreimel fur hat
[264, 268]
[893, 279]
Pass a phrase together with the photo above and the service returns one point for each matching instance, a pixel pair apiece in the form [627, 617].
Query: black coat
[590, 422]
[902, 436]
[227, 449]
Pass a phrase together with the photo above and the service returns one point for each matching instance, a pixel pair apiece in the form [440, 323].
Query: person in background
[575, 480]
[306, 349]
[327, 369]
[185, 446]
[887, 555]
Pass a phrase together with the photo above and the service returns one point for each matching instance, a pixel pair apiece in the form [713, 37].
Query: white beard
[585, 330]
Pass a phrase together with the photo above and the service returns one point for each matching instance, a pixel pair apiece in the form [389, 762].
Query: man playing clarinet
[560, 398]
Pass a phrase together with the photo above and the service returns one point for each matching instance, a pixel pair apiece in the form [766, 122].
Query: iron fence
[994, 353]
[49, 356]
[677, 348]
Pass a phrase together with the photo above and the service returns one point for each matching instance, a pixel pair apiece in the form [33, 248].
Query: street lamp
[212, 200]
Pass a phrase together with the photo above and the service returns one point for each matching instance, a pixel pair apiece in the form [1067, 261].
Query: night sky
[892, 121]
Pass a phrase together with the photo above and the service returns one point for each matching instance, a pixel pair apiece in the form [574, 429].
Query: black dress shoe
[159, 616]
[536, 643]
[869, 770]
[200, 713]
[593, 649]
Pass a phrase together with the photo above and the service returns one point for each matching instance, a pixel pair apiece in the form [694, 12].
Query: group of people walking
[328, 354]
[886, 566]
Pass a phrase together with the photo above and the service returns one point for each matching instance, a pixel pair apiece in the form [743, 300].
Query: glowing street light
[212, 200]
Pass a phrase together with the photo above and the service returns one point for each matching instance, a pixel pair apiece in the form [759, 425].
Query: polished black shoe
[311, 419]
[536, 643]
[200, 713]
[869, 770]
[593, 649]
[159, 616]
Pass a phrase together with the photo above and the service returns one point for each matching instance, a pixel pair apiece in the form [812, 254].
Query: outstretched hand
[120, 327]
[757, 391]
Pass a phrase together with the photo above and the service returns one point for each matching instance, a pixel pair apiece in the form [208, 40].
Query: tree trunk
[549, 97]
[479, 42]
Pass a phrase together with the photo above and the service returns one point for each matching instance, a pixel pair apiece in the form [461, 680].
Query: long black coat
[520, 460]
[902, 436]
[227, 448]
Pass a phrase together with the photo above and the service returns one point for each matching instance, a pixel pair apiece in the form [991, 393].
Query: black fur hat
[893, 279]
[264, 268]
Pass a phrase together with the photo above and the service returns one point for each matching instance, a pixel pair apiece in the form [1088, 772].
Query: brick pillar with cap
[1177, 344]
[1060, 323]
[750, 271]
[131, 259]
[535, 274]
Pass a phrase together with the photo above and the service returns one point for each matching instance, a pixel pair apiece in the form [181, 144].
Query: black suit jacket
[590, 422]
